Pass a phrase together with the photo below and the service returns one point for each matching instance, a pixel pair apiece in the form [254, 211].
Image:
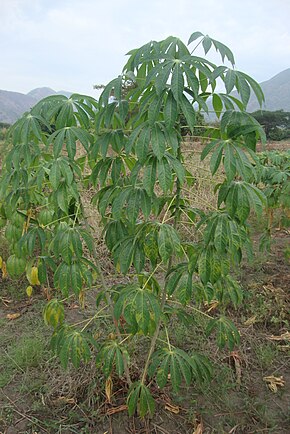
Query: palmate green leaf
[241, 196]
[71, 345]
[179, 365]
[141, 398]
[228, 288]
[140, 307]
[209, 265]
[227, 333]
[177, 81]
[111, 354]
[201, 368]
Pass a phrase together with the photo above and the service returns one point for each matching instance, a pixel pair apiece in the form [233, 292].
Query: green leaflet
[177, 82]
[164, 174]
[140, 308]
[168, 242]
[158, 142]
[180, 366]
[70, 345]
[149, 177]
[170, 111]
[140, 396]
[188, 112]
[227, 333]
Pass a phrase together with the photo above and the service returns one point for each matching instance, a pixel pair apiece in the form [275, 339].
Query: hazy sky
[74, 44]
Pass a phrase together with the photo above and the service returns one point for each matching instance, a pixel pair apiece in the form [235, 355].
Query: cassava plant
[132, 155]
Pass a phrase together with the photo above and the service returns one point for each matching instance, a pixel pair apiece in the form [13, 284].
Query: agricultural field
[144, 256]
[248, 394]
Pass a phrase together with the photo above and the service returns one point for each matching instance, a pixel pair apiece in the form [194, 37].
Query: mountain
[14, 104]
[277, 93]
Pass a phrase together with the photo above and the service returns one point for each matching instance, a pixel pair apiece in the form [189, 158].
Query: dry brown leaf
[234, 355]
[116, 409]
[198, 425]
[12, 316]
[172, 408]
[285, 348]
[212, 305]
[284, 337]
[250, 321]
[274, 382]
[198, 429]
[109, 389]
[5, 301]
[64, 400]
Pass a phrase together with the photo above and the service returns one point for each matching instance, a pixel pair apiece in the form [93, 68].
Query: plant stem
[163, 300]
[154, 339]
[106, 292]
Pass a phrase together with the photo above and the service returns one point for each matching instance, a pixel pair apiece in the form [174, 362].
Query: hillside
[276, 91]
[14, 104]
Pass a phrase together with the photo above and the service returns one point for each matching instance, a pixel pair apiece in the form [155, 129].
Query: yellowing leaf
[1, 262]
[32, 276]
[29, 290]
[4, 270]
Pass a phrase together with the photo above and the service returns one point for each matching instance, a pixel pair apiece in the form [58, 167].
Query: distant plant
[133, 158]
[275, 184]
[276, 123]
[4, 130]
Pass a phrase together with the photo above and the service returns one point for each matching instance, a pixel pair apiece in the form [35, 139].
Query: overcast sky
[74, 44]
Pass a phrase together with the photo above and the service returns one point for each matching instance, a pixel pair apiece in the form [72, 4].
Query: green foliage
[133, 158]
[276, 124]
